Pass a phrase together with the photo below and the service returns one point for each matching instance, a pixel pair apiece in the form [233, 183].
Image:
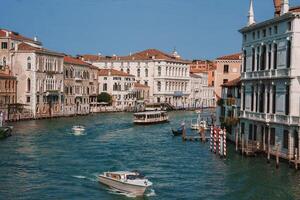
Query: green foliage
[220, 102]
[104, 97]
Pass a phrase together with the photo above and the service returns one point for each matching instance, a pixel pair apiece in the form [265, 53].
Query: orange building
[227, 69]
[199, 66]
[8, 91]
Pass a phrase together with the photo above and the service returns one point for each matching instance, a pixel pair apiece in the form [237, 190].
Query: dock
[195, 138]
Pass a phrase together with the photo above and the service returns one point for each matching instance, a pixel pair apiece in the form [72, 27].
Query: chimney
[284, 7]
[35, 38]
[277, 7]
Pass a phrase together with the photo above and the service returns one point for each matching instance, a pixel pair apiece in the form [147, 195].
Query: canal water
[44, 160]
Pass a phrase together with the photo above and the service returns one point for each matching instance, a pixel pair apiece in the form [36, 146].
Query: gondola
[177, 132]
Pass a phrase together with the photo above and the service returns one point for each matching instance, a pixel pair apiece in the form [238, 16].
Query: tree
[104, 97]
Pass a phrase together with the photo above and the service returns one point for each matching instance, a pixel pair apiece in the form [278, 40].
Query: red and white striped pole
[211, 138]
[225, 147]
[215, 140]
[220, 146]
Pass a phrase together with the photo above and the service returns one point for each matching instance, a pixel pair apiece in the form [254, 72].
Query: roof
[16, 36]
[236, 56]
[140, 85]
[148, 54]
[293, 12]
[232, 83]
[27, 47]
[112, 72]
[75, 61]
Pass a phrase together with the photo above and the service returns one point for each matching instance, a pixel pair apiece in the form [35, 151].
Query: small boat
[199, 124]
[153, 117]
[124, 181]
[78, 129]
[177, 132]
[5, 132]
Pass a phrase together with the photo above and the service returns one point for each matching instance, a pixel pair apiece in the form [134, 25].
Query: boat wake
[77, 134]
[148, 193]
[93, 179]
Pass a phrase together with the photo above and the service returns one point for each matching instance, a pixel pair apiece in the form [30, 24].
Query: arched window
[28, 63]
[288, 54]
[128, 71]
[159, 86]
[245, 61]
[146, 72]
[275, 56]
[159, 71]
[28, 85]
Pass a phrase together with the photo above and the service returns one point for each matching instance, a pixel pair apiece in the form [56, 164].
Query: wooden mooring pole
[277, 156]
[236, 140]
[296, 159]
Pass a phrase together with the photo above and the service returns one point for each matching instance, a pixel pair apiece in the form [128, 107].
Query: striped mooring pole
[225, 147]
[215, 140]
[211, 138]
[220, 141]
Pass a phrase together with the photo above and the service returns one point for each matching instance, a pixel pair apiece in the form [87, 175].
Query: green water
[44, 160]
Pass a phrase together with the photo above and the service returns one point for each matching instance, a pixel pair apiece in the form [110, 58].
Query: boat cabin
[151, 117]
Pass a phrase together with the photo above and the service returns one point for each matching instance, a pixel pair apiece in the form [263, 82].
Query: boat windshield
[133, 177]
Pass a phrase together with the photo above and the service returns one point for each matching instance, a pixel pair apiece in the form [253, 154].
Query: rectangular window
[254, 132]
[105, 87]
[258, 34]
[250, 131]
[3, 45]
[252, 98]
[28, 99]
[286, 139]
[289, 26]
[264, 33]
[275, 29]
[253, 35]
[272, 137]
[242, 128]
[274, 100]
[226, 69]
[270, 31]
[287, 100]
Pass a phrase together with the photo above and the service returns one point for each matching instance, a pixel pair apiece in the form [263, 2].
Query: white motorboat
[78, 129]
[198, 125]
[124, 181]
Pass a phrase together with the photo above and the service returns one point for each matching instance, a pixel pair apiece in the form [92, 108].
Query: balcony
[267, 74]
[271, 118]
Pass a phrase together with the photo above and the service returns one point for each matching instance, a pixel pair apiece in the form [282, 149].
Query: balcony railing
[267, 74]
[271, 118]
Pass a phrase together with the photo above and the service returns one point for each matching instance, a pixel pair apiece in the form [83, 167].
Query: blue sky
[202, 29]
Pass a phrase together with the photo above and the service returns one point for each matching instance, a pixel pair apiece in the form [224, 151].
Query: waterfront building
[142, 92]
[229, 107]
[202, 95]
[119, 85]
[80, 86]
[167, 75]
[200, 66]
[270, 108]
[39, 73]
[8, 91]
[227, 69]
